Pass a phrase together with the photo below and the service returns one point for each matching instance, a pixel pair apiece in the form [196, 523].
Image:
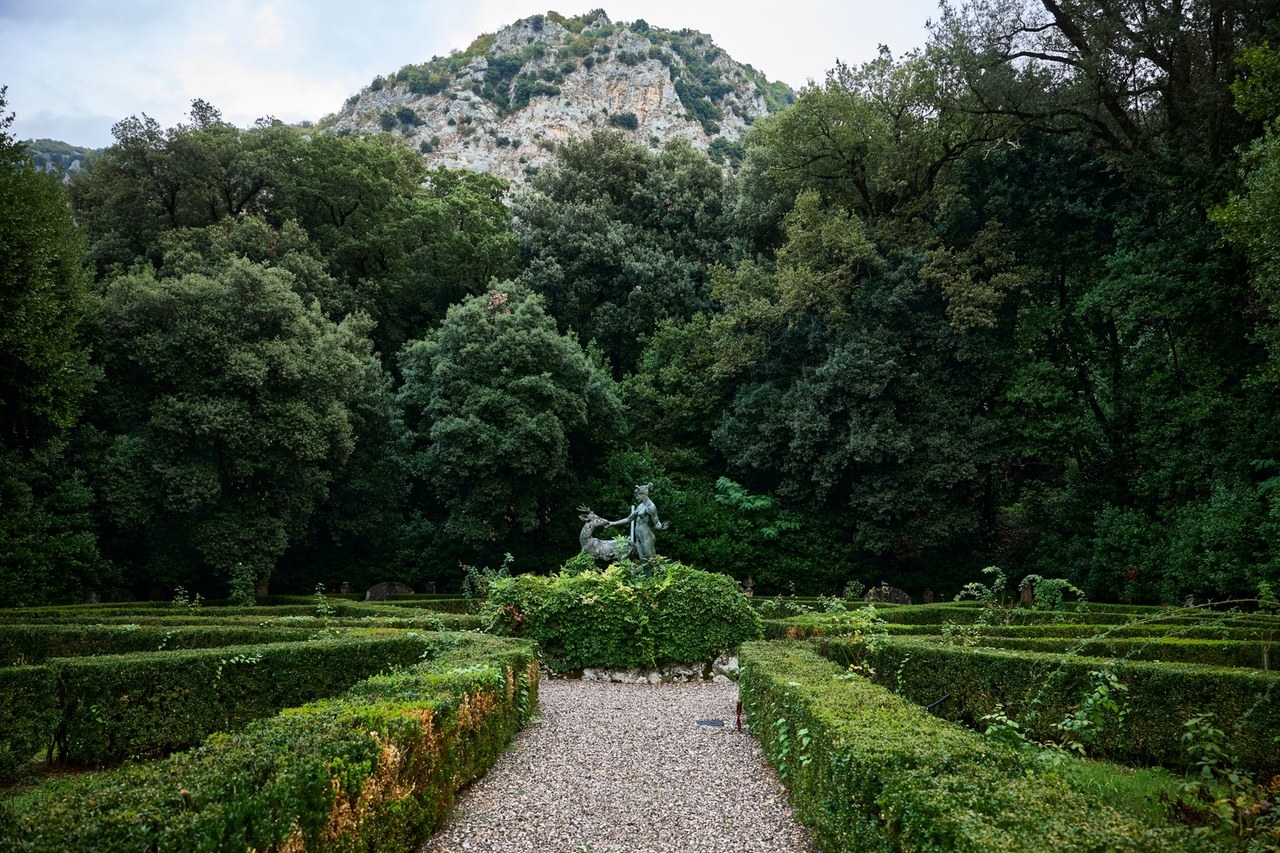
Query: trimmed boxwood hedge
[871, 772]
[1161, 696]
[90, 613]
[815, 624]
[100, 710]
[375, 769]
[1250, 654]
[21, 645]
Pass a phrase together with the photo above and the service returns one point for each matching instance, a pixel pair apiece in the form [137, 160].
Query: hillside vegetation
[503, 104]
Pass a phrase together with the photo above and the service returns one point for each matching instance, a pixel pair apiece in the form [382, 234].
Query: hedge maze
[957, 726]
[312, 724]
[332, 724]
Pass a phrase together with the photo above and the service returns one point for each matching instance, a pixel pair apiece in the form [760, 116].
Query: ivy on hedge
[609, 619]
[375, 769]
[869, 771]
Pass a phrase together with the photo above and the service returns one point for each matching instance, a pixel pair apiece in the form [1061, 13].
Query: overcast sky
[76, 67]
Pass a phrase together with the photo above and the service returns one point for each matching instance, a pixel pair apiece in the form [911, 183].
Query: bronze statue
[644, 521]
[639, 544]
[608, 550]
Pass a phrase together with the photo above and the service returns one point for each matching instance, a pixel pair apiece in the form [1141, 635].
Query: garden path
[625, 767]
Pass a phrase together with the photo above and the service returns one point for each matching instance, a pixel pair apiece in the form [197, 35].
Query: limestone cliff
[502, 105]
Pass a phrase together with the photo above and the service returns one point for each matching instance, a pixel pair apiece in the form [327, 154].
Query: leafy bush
[612, 619]
[377, 768]
[528, 86]
[627, 121]
[870, 771]
[406, 115]
[387, 119]
[422, 82]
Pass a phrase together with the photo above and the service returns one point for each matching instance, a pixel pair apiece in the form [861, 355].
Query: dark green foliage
[506, 412]
[626, 121]
[47, 550]
[29, 714]
[423, 82]
[230, 409]
[397, 241]
[614, 619]
[617, 238]
[409, 741]
[1161, 696]
[406, 115]
[722, 149]
[528, 86]
[868, 770]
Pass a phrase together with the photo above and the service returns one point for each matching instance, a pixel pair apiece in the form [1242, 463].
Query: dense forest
[1010, 299]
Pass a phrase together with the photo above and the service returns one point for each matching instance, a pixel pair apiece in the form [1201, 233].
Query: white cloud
[73, 72]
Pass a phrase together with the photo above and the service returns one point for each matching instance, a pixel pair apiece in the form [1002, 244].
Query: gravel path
[624, 767]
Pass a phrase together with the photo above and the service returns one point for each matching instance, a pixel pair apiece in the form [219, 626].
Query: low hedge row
[872, 773]
[429, 619]
[102, 612]
[375, 769]
[941, 614]
[817, 624]
[103, 709]
[1161, 696]
[606, 619]
[1221, 653]
[22, 645]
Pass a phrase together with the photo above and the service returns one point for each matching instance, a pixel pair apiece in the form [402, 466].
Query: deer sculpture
[602, 549]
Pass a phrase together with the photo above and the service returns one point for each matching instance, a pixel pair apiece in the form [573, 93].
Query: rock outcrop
[504, 104]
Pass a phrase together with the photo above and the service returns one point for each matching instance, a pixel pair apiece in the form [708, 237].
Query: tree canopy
[1010, 299]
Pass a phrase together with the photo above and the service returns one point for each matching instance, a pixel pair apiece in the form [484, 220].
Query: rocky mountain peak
[505, 103]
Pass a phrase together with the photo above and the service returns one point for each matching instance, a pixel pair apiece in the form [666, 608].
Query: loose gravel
[625, 767]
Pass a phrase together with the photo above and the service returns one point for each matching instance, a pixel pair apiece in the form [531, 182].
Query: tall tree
[508, 415]
[228, 408]
[617, 239]
[47, 551]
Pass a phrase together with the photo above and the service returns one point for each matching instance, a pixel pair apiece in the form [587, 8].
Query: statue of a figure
[644, 521]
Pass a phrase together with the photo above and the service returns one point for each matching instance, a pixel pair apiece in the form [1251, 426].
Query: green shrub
[869, 771]
[387, 119]
[627, 121]
[610, 619]
[1161, 696]
[376, 769]
[108, 708]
